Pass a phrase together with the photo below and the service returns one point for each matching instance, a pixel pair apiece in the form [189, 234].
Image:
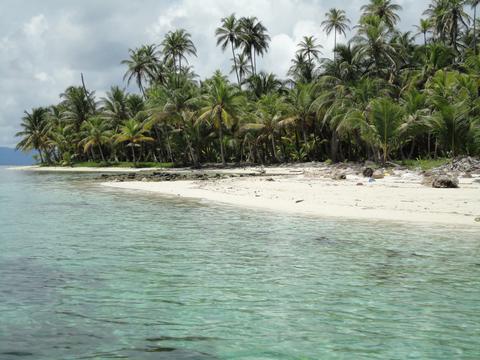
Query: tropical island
[387, 103]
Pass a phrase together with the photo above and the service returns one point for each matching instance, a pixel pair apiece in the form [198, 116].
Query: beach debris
[339, 176]
[444, 182]
[378, 174]
[477, 219]
[359, 184]
[299, 201]
[367, 172]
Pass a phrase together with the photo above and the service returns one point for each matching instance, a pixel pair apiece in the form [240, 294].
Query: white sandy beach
[304, 192]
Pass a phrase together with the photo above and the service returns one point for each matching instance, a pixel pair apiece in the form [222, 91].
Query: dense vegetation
[385, 95]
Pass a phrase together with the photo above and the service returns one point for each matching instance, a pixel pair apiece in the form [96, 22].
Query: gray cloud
[44, 45]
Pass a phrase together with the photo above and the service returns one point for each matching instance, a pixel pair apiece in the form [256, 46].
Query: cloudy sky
[45, 45]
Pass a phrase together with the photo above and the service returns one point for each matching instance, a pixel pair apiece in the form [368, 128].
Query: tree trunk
[133, 153]
[101, 152]
[334, 147]
[273, 148]
[41, 156]
[475, 30]
[335, 45]
[235, 64]
[222, 151]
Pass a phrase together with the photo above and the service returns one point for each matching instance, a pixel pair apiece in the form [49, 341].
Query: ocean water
[93, 273]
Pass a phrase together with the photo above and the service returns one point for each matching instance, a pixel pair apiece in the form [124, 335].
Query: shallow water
[88, 272]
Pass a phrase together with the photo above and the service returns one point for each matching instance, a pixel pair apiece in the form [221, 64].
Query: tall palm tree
[309, 48]
[133, 132]
[255, 39]
[96, 134]
[474, 5]
[176, 46]
[374, 43]
[384, 9]
[221, 107]
[142, 65]
[229, 34]
[448, 18]
[34, 132]
[337, 22]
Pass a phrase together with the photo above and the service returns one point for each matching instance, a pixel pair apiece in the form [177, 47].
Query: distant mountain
[10, 156]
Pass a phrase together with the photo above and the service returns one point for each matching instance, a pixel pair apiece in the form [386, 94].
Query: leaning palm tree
[133, 132]
[176, 46]
[254, 38]
[96, 134]
[309, 48]
[221, 107]
[384, 9]
[34, 132]
[229, 34]
[336, 21]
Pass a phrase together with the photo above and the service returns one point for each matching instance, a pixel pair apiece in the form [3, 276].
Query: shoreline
[400, 198]
[308, 189]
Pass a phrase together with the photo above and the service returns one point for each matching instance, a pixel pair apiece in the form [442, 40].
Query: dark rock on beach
[444, 182]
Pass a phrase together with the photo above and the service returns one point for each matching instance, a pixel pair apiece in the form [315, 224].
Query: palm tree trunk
[335, 45]
[475, 30]
[251, 60]
[334, 147]
[133, 153]
[41, 155]
[101, 152]
[273, 148]
[222, 151]
[235, 63]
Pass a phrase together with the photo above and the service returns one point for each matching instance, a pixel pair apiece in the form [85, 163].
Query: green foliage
[382, 96]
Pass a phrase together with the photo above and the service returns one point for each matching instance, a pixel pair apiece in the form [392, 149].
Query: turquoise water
[91, 273]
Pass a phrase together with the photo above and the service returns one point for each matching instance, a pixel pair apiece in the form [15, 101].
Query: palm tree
[374, 43]
[176, 46]
[77, 106]
[336, 21]
[448, 18]
[142, 65]
[254, 38]
[384, 9]
[229, 34]
[96, 134]
[34, 132]
[424, 28]
[242, 67]
[474, 5]
[134, 133]
[222, 101]
[263, 83]
[309, 48]
[114, 107]
[381, 125]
